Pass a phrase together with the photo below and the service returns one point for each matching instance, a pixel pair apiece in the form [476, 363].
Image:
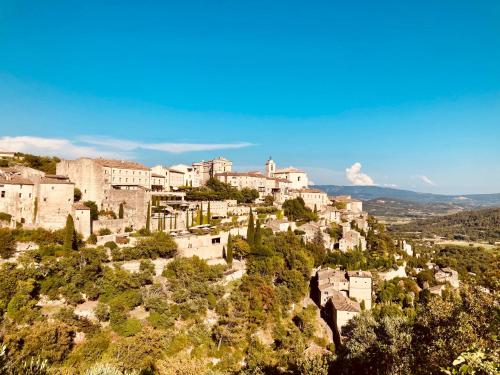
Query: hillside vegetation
[476, 225]
[45, 164]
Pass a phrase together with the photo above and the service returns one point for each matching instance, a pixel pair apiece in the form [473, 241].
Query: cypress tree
[175, 221]
[200, 219]
[258, 235]
[148, 218]
[170, 221]
[250, 229]
[315, 209]
[229, 251]
[224, 253]
[187, 219]
[70, 237]
[120, 211]
[192, 218]
[209, 214]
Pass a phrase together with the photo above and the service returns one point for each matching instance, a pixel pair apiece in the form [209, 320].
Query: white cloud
[52, 147]
[427, 180]
[355, 176]
[174, 148]
[101, 146]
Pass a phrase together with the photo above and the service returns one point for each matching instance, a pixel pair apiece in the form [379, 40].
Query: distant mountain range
[377, 192]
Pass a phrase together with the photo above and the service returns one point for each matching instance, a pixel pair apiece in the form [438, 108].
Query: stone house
[313, 198]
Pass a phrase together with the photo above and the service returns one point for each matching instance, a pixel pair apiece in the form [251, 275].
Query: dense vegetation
[45, 164]
[480, 225]
[216, 190]
[425, 336]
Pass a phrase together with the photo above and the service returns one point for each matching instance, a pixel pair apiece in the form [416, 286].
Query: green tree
[77, 195]
[209, 214]
[229, 251]
[94, 211]
[250, 228]
[200, 214]
[120, 211]
[257, 241]
[148, 218]
[70, 236]
[7, 244]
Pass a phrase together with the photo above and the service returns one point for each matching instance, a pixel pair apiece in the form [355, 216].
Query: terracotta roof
[309, 191]
[359, 274]
[15, 180]
[175, 171]
[247, 174]
[342, 303]
[121, 164]
[289, 170]
[80, 206]
[157, 175]
[51, 181]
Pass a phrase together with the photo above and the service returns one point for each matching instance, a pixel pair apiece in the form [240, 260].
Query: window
[45, 199]
[2, 194]
[20, 195]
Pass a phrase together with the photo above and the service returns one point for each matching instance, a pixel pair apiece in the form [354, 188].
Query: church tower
[270, 167]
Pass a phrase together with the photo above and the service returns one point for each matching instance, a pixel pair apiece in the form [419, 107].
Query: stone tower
[270, 167]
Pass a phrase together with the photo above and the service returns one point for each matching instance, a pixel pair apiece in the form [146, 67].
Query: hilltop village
[331, 259]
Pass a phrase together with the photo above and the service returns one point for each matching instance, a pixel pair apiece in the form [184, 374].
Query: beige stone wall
[360, 288]
[135, 207]
[87, 175]
[55, 203]
[18, 201]
[82, 222]
[205, 246]
[114, 225]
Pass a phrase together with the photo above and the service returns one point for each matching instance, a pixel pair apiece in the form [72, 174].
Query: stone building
[313, 198]
[447, 275]
[204, 170]
[352, 284]
[55, 198]
[39, 200]
[191, 178]
[351, 239]
[339, 311]
[276, 187]
[298, 179]
[97, 177]
[351, 205]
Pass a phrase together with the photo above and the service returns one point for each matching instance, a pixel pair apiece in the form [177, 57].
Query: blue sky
[409, 90]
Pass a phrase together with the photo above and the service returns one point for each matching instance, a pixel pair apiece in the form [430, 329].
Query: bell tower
[270, 167]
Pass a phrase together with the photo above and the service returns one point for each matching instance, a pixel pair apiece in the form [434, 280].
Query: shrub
[104, 231]
[128, 229]
[129, 327]
[102, 312]
[7, 244]
[92, 239]
[5, 217]
[111, 245]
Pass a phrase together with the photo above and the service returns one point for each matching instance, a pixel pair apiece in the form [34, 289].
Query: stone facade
[313, 198]
[204, 170]
[96, 177]
[352, 284]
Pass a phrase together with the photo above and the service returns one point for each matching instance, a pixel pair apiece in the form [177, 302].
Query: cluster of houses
[34, 199]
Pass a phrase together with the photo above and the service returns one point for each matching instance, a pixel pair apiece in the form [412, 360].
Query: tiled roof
[51, 181]
[342, 303]
[309, 191]
[157, 175]
[243, 174]
[359, 274]
[175, 171]
[15, 180]
[121, 164]
[80, 206]
[289, 170]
